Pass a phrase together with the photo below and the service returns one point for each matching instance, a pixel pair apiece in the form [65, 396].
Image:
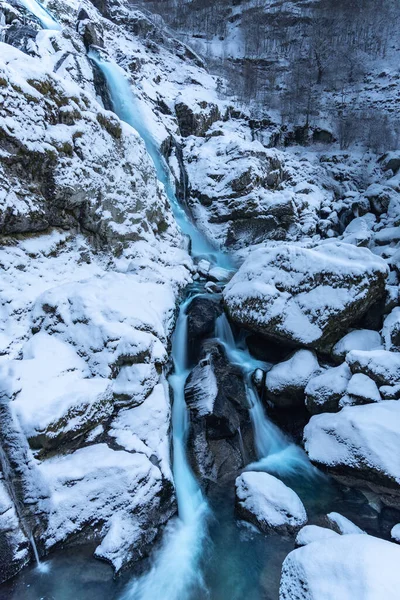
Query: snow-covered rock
[349, 567]
[305, 296]
[286, 381]
[314, 533]
[382, 366]
[324, 392]
[391, 330]
[361, 390]
[268, 503]
[114, 491]
[360, 444]
[343, 525]
[358, 339]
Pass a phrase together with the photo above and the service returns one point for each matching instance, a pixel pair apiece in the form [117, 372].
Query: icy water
[46, 19]
[204, 552]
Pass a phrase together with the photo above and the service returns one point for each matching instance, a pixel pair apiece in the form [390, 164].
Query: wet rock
[268, 503]
[305, 296]
[324, 392]
[220, 439]
[202, 314]
[14, 544]
[266, 350]
[286, 381]
[195, 123]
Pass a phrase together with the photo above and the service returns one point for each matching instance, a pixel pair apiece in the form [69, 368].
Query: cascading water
[127, 107]
[175, 572]
[46, 19]
[276, 453]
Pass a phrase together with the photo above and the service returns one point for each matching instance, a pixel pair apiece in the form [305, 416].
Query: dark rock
[220, 439]
[202, 313]
[191, 123]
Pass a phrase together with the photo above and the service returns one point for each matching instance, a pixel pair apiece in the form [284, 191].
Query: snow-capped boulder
[324, 392]
[358, 339]
[360, 444]
[268, 503]
[361, 390]
[343, 525]
[391, 330]
[314, 533]
[305, 296]
[286, 381]
[348, 567]
[382, 366]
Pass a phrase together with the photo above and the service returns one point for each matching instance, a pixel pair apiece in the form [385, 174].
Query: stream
[204, 552]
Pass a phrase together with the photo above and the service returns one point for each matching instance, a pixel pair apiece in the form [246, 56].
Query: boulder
[360, 445]
[391, 330]
[202, 312]
[361, 390]
[286, 381]
[305, 296]
[220, 438]
[314, 533]
[358, 339]
[382, 366]
[345, 567]
[324, 392]
[268, 503]
[343, 525]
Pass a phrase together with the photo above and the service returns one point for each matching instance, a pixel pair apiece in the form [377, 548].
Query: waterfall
[128, 108]
[175, 572]
[277, 454]
[46, 19]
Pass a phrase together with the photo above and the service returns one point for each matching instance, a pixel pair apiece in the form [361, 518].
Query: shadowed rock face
[220, 442]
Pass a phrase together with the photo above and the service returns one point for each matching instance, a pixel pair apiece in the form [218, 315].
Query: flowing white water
[276, 453]
[128, 108]
[41, 566]
[175, 572]
[46, 19]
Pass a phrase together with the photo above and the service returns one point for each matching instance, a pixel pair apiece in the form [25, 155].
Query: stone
[268, 503]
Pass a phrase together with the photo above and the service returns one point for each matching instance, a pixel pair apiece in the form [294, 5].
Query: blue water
[127, 107]
[46, 19]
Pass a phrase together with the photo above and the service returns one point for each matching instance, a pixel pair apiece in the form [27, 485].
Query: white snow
[395, 533]
[270, 502]
[362, 388]
[297, 293]
[323, 391]
[343, 524]
[360, 437]
[358, 339]
[292, 373]
[350, 567]
[314, 533]
[381, 365]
